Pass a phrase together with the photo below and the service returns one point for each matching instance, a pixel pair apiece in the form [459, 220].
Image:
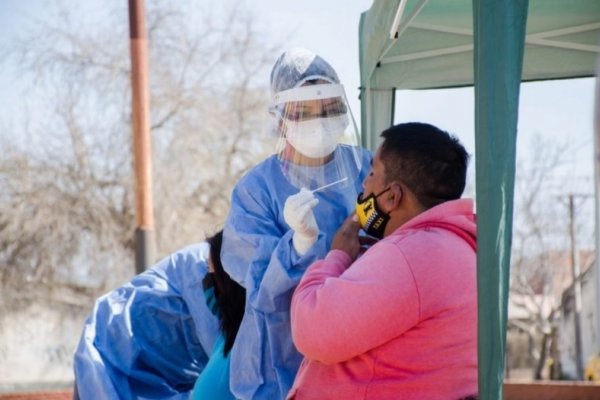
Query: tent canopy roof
[434, 44]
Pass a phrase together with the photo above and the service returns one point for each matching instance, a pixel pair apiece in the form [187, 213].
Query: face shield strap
[311, 92]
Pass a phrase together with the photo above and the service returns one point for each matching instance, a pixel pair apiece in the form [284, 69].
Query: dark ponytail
[230, 296]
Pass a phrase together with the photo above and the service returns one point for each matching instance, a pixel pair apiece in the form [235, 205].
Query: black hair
[230, 296]
[429, 161]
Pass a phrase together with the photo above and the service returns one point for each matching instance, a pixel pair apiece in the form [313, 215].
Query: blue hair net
[298, 65]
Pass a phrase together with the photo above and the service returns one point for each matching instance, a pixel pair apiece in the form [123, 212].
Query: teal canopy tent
[493, 45]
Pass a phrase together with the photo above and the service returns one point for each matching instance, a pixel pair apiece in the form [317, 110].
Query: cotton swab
[328, 185]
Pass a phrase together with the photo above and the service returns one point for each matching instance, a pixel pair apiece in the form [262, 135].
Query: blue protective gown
[149, 339]
[258, 253]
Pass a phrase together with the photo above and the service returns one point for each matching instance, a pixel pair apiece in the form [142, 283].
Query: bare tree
[66, 205]
[540, 258]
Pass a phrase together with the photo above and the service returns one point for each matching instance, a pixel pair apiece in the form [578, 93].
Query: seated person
[400, 321]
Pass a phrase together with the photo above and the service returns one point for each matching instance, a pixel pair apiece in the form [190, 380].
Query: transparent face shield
[318, 138]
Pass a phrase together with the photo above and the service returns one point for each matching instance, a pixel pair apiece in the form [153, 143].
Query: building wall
[588, 326]
[37, 345]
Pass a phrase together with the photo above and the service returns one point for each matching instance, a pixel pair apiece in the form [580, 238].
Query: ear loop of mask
[383, 191]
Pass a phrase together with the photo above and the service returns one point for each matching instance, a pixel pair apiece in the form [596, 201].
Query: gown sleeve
[151, 337]
[257, 249]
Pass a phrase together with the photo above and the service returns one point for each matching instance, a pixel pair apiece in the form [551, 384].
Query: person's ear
[394, 197]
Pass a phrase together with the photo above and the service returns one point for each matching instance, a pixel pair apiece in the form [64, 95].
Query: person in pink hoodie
[398, 321]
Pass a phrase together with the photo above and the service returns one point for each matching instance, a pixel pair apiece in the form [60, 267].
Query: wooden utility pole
[576, 274]
[142, 149]
[597, 202]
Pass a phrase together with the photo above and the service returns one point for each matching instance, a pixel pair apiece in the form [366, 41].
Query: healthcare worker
[151, 337]
[284, 213]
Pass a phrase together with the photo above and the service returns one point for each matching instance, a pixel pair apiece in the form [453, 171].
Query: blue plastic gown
[149, 339]
[257, 252]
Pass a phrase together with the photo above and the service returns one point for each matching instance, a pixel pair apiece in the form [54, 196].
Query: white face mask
[316, 138]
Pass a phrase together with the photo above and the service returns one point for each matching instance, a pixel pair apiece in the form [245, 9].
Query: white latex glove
[298, 214]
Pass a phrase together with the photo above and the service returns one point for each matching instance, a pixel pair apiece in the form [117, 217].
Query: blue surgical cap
[298, 65]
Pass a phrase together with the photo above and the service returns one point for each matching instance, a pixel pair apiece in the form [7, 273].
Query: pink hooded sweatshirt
[398, 323]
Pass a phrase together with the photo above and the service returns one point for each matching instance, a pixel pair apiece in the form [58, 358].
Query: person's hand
[347, 239]
[298, 214]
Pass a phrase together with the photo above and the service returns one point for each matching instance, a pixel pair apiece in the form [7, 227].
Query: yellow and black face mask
[372, 219]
